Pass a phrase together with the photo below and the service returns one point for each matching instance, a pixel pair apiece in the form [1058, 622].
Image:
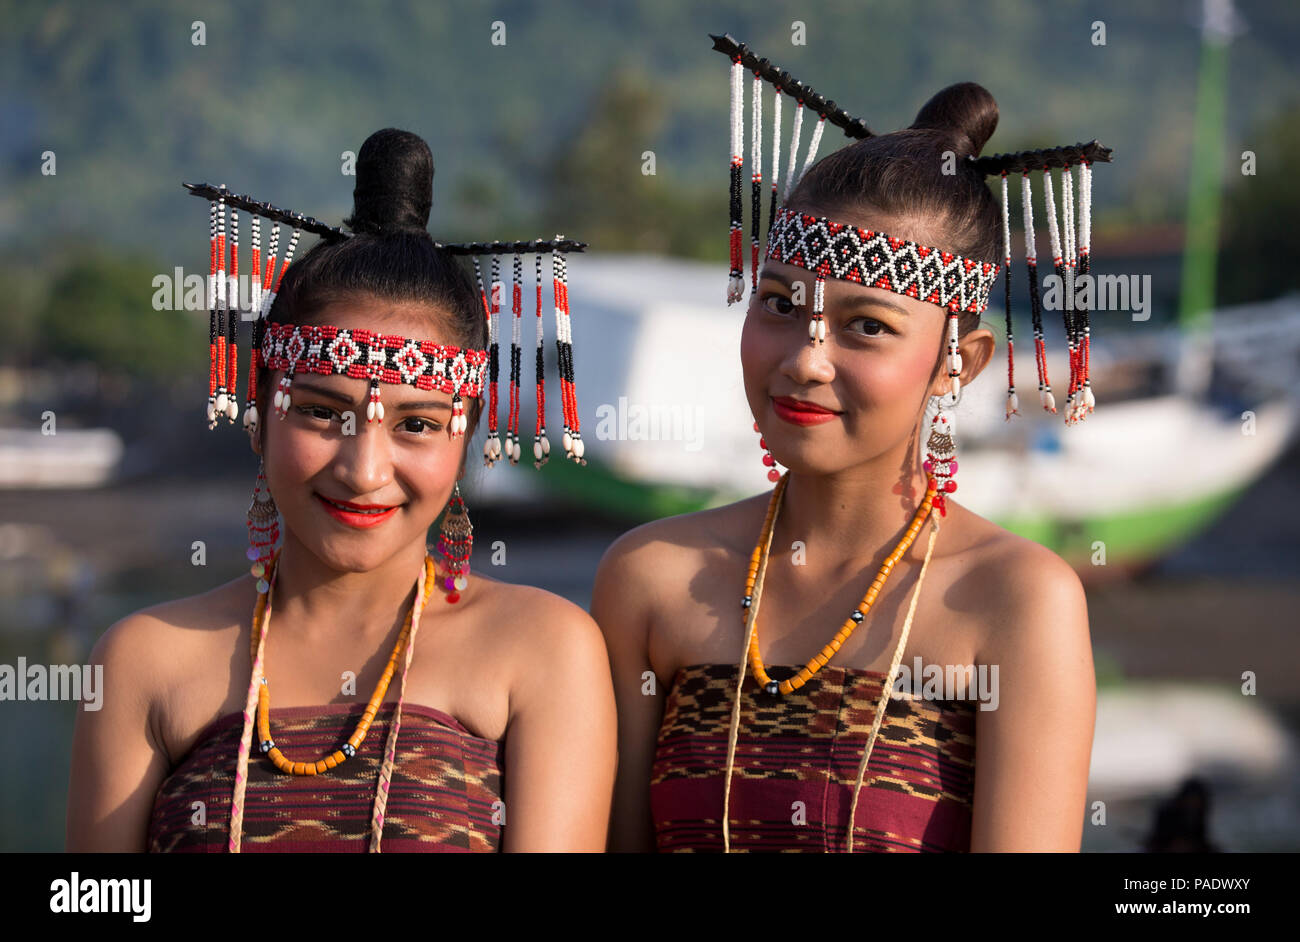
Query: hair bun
[966, 112]
[394, 189]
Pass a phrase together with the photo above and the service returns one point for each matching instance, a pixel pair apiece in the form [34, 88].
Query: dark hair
[391, 255]
[901, 174]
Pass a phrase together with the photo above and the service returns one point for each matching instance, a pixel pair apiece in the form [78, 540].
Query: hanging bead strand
[282, 394]
[1068, 234]
[756, 178]
[212, 314]
[1085, 238]
[492, 446]
[1035, 302]
[736, 278]
[541, 444]
[573, 447]
[776, 160]
[1013, 401]
[232, 323]
[817, 323]
[221, 311]
[255, 299]
[516, 324]
[813, 145]
[1058, 259]
[795, 132]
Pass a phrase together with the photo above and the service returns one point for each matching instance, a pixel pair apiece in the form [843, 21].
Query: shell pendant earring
[941, 450]
[263, 528]
[455, 544]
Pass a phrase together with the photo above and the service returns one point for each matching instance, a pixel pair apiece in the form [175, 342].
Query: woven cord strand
[772, 510]
[261, 625]
[424, 588]
[888, 690]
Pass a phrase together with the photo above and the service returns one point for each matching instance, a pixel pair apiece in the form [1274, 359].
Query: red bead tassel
[232, 322]
[255, 288]
[516, 309]
[1013, 401]
[736, 278]
[573, 446]
[756, 178]
[491, 447]
[212, 315]
[221, 311]
[541, 444]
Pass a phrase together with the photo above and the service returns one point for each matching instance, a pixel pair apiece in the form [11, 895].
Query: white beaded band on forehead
[878, 260]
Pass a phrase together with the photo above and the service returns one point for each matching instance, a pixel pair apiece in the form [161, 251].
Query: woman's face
[408, 462]
[880, 361]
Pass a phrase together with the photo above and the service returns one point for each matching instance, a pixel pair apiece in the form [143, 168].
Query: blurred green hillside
[549, 131]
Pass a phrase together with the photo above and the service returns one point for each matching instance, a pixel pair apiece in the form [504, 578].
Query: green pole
[1196, 297]
[1200, 249]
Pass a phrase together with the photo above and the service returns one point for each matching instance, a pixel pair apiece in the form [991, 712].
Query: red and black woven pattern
[445, 786]
[797, 760]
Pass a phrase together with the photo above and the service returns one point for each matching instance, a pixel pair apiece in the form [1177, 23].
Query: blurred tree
[100, 309]
[1255, 261]
[611, 183]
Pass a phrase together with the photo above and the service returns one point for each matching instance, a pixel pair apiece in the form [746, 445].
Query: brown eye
[421, 426]
[874, 327]
[310, 412]
[777, 303]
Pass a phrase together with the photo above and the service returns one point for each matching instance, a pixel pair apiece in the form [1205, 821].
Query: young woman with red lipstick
[800, 758]
[498, 729]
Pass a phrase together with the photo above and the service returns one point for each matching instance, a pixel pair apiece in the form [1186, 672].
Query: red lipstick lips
[360, 516]
[798, 412]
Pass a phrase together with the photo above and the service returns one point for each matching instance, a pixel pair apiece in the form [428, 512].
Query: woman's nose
[808, 362]
[364, 462]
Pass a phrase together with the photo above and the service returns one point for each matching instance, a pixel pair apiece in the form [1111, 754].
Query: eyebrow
[857, 300]
[347, 401]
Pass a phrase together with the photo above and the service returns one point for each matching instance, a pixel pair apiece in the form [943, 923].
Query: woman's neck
[851, 518]
[322, 602]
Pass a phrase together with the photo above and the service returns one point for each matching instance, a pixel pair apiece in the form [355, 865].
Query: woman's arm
[1032, 752]
[117, 761]
[561, 740]
[620, 605]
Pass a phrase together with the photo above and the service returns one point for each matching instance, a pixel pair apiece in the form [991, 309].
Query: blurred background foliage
[549, 132]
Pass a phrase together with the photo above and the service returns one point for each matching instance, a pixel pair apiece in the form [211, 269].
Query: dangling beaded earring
[941, 450]
[263, 528]
[772, 474]
[455, 544]
[817, 325]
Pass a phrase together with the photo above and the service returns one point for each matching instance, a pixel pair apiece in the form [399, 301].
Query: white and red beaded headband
[378, 357]
[957, 284]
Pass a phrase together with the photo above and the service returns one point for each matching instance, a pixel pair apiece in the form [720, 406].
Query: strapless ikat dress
[796, 762]
[444, 796]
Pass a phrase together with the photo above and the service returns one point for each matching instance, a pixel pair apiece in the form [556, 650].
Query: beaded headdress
[841, 250]
[378, 357]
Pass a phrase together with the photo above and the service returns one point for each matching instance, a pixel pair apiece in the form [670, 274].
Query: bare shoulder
[151, 653]
[656, 553]
[1031, 595]
[545, 630]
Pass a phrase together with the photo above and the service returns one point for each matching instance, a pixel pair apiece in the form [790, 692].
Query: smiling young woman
[802, 758]
[508, 677]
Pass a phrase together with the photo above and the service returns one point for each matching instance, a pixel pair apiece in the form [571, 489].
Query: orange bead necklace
[261, 624]
[758, 561]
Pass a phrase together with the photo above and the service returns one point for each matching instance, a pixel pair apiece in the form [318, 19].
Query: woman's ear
[255, 441]
[976, 350]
